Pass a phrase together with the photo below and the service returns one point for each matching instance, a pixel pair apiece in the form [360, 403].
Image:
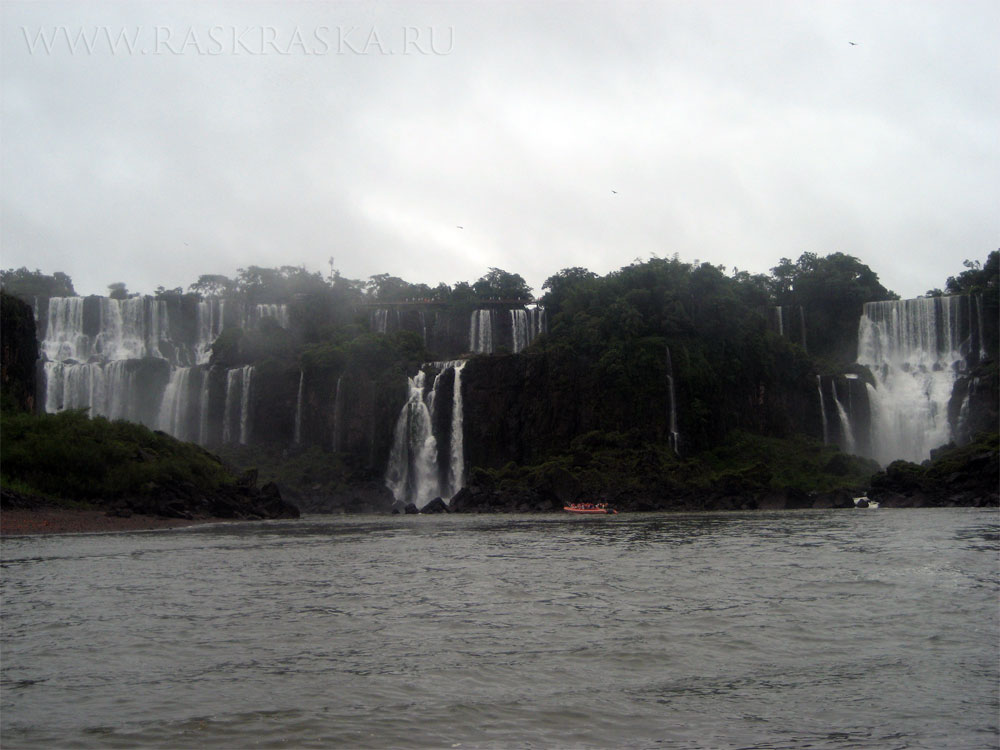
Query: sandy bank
[17, 521]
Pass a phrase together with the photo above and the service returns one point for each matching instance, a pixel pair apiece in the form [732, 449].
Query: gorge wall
[217, 371]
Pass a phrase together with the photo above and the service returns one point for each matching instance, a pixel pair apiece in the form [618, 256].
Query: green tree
[27, 285]
[386, 288]
[499, 284]
[213, 285]
[118, 290]
[832, 291]
[978, 277]
[560, 285]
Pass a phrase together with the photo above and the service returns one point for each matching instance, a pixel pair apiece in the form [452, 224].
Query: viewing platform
[433, 302]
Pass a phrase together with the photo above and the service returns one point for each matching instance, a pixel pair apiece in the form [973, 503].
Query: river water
[813, 629]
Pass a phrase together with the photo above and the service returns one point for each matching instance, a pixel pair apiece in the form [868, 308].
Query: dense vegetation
[635, 475]
[613, 341]
[70, 455]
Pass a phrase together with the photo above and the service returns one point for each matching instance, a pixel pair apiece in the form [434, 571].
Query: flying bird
[614, 192]
[458, 227]
[853, 44]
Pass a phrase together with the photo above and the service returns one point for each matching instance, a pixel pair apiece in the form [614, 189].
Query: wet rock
[437, 505]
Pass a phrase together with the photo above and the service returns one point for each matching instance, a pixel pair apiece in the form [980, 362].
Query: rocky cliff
[18, 354]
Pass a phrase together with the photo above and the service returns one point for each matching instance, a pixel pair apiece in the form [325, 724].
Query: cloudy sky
[153, 142]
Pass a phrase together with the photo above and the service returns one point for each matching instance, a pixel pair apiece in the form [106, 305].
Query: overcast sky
[153, 142]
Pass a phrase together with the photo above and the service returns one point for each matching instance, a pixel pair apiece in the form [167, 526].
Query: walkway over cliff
[433, 302]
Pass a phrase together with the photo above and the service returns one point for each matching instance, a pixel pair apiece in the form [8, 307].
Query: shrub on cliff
[69, 455]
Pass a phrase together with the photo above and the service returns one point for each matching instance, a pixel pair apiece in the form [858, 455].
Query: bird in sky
[458, 227]
[614, 192]
[853, 44]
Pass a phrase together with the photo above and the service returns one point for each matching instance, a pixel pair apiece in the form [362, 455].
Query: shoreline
[36, 521]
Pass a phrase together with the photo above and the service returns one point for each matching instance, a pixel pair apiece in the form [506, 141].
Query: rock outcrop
[18, 354]
[955, 476]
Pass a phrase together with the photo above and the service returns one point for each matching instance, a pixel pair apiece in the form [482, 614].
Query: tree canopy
[27, 284]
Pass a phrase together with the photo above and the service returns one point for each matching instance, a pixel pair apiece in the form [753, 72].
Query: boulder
[437, 505]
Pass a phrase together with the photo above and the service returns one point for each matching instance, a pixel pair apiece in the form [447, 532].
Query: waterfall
[407, 474]
[337, 407]
[977, 300]
[380, 320]
[124, 334]
[674, 436]
[456, 467]
[414, 473]
[236, 417]
[786, 319]
[203, 409]
[526, 324]
[176, 404]
[229, 413]
[159, 327]
[64, 336]
[257, 313]
[822, 409]
[519, 329]
[245, 380]
[846, 432]
[211, 314]
[103, 388]
[916, 349]
[481, 332]
[298, 408]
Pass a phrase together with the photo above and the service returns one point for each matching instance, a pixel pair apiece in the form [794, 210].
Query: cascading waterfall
[236, 418]
[386, 320]
[124, 331]
[64, 336]
[674, 436]
[245, 382]
[916, 349]
[103, 388]
[802, 328]
[414, 473]
[481, 332]
[211, 316]
[337, 407]
[410, 471]
[229, 411]
[526, 324]
[298, 408]
[116, 359]
[203, 409]
[822, 409]
[456, 467]
[258, 312]
[846, 432]
[176, 405]
[785, 318]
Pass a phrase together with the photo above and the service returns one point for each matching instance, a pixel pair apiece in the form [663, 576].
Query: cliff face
[519, 408]
[18, 354]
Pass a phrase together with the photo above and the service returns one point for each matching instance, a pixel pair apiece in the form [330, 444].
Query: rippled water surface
[839, 629]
